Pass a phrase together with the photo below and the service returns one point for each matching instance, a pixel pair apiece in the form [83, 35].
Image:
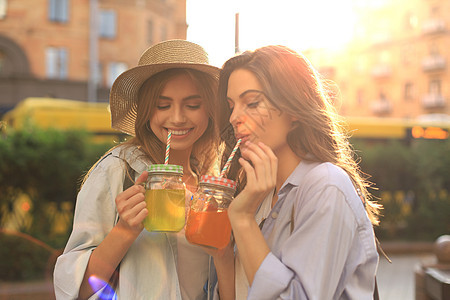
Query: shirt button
[274, 215]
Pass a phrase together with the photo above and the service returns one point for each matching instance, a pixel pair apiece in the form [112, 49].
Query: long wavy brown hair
[294, 87]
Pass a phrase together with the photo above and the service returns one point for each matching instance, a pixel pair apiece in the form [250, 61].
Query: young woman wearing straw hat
[172, 88]
[312, 237]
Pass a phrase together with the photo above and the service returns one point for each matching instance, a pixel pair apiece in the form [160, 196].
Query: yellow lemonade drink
[166, 210]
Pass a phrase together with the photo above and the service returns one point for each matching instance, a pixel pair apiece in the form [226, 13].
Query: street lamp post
[93, 51]
[236, 33]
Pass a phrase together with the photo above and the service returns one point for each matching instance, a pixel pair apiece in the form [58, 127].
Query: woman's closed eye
[253, 104]
[193, 106]
[163, 106]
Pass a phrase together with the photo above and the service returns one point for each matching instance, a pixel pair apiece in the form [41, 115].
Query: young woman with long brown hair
[303, 223]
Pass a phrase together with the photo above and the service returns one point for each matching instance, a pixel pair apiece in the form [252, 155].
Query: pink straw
[169, 137]
[227, 164]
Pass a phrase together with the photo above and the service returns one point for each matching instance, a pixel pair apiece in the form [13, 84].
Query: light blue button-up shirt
[331, 251]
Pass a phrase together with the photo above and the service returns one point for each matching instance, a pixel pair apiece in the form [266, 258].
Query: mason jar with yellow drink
[165, 198]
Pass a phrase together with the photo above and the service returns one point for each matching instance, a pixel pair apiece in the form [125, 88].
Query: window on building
[435, 11]
[150, 35]
[411, 21]
[408, 92]
[435, 87]
[56, 62]
[108, 24]
[114, 70]
[3, 8]
[58, 10]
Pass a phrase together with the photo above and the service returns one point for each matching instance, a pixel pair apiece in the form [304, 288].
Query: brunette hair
[293, 86]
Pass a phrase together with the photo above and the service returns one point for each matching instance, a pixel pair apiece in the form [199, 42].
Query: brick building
[396, 65]
[75, 49]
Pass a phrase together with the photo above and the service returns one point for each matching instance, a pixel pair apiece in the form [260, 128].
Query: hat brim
[124, 91]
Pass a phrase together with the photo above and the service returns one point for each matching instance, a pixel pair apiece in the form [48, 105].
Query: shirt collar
[296, 177]
[134, 157]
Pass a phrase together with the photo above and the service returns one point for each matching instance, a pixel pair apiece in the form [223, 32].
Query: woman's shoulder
[320, 176]
[329, 174]
[123, 155]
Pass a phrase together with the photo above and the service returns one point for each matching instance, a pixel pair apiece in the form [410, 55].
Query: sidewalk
[395, 280]
[33, 290]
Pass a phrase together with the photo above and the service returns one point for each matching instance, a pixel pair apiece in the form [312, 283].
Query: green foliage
[413, 184]
[47, 165]
[24, 258]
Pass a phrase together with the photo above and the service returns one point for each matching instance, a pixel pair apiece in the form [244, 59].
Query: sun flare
[297, 24]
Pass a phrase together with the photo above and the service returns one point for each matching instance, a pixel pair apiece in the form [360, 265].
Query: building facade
[74, 49]
[397, 62]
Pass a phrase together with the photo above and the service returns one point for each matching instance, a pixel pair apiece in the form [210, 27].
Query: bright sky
[298, 24]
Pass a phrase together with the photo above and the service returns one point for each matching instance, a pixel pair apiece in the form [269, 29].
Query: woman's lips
[243, 138]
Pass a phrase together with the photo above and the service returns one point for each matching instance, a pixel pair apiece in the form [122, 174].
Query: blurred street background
[385, 63]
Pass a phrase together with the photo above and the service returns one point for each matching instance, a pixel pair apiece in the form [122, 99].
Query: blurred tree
[412, 182]
[48, 166]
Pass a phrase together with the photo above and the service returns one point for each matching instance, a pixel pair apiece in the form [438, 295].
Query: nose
[236, 116]
[178, 116]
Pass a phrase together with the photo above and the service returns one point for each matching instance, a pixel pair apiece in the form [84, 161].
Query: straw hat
[160, 57]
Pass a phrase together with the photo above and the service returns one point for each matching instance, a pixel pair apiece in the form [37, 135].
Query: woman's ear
[294, 122]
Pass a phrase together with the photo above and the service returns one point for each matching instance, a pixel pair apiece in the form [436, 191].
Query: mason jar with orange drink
[207, 222]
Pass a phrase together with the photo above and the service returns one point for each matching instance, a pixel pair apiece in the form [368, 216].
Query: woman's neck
[287, 162]
[183, 158]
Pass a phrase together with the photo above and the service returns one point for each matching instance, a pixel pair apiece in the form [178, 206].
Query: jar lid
[218, 181]
[162, 168]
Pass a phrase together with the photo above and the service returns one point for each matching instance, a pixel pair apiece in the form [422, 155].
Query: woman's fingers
[131, 203]
[133, 207]
[272, 160]
[264, 163]
[142, 179]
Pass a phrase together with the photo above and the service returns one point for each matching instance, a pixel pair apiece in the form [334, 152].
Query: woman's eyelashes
[250, 104]
[163, 107]
[194, 106]
[253, 104]
[188, 106]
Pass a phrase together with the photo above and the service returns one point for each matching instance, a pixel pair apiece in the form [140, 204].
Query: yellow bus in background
[95, 118]
[368, 128]
[64, 114]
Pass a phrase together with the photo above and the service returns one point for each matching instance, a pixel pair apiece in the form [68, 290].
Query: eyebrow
[242, 95]
[184, 99]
